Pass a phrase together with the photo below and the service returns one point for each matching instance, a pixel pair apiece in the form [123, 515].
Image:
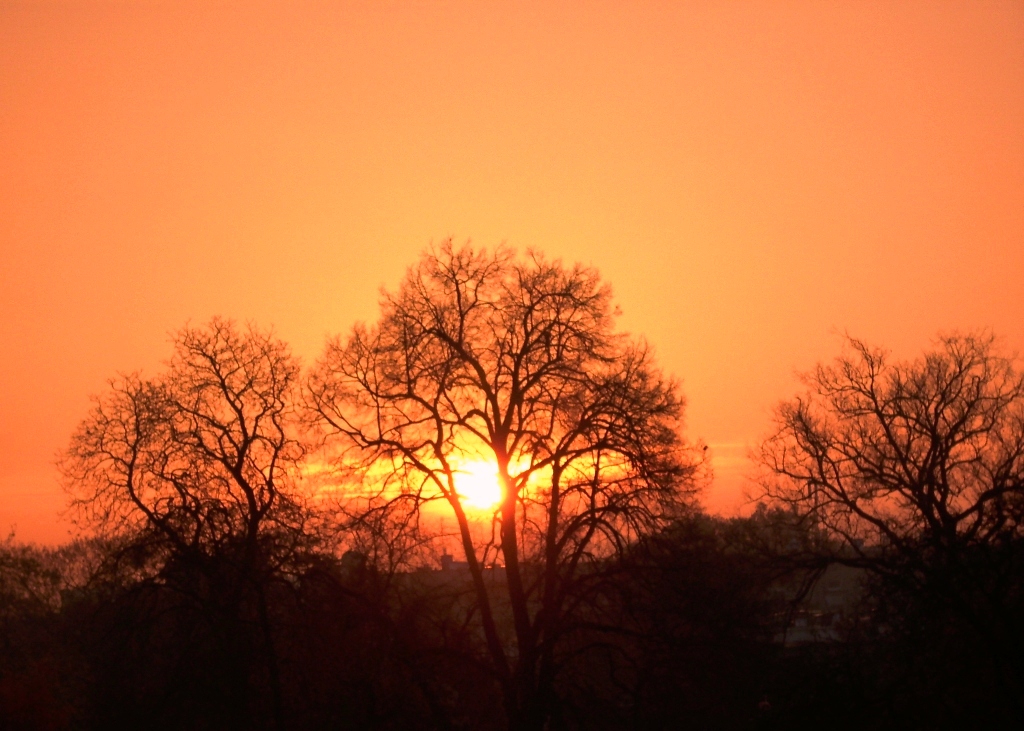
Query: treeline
[272, 546]
[687, 630]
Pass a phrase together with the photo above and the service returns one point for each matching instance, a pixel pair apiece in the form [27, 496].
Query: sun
[478, 485]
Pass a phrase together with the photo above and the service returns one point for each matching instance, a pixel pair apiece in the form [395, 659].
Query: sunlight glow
[478, 485]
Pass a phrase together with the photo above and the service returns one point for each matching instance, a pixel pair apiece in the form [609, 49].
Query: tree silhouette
[200, 463]
[918, 468]
[515, 360]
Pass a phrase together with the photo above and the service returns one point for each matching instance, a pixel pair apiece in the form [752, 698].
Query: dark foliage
[707, 624]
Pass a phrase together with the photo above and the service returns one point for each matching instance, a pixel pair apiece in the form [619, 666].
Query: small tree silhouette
[200, 463]
[918, 468]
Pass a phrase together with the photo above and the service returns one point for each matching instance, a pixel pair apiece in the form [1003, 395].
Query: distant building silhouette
[448, 563]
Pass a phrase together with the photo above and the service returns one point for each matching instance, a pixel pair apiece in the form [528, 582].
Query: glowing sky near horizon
[751, 177]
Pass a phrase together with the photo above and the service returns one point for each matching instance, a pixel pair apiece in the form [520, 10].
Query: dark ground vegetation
[687, 630]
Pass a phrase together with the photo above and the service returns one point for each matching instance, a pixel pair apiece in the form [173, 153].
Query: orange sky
[750, 177]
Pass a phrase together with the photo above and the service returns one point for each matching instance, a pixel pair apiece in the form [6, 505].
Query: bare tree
[201, 462]
[486, 356]
[918, 468]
